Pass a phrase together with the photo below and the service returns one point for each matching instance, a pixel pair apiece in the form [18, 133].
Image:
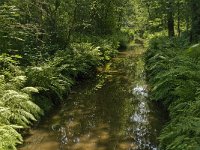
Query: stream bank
[110, 112]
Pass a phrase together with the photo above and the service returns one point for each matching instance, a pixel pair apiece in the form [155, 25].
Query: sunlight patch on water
[140, 90]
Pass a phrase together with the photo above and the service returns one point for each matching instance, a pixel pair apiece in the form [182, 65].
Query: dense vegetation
[173, 74]
[46, 47]
[49, 45]
[172, 67]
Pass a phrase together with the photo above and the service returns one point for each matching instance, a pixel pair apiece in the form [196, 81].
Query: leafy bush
[56, 57]
[55, 77]
[173, 73]
[49, 81]
[17, 111]
[25, 92]
[86, 57]
[9, 137]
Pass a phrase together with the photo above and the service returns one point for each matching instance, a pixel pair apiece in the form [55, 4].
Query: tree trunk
[195, 18]
[179, 19]
[170, 19]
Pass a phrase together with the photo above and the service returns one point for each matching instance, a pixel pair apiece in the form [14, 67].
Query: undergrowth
[173, 73]
[27, 92]
[17, 110]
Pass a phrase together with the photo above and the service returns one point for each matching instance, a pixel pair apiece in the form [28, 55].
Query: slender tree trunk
[195, 20]
[187, 23]
[178, 20]
[73, 22]
[170, 19]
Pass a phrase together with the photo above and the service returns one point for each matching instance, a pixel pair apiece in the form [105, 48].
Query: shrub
[26, 92]
[17, 109]
[173, 75]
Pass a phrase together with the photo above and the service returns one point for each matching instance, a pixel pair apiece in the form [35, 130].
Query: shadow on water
[111, 112]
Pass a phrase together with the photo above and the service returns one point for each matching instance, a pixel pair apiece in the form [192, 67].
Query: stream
[110, 112]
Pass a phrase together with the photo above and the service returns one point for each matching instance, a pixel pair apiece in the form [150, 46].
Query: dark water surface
[111, 112]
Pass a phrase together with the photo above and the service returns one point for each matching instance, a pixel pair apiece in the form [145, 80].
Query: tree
[170, 18]
[195, 20]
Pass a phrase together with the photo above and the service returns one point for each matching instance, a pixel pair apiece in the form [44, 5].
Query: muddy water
[111, 112]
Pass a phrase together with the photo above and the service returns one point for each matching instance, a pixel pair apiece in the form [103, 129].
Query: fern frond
[30, 90]
[9, 137]
[174, 77]
[21, 109]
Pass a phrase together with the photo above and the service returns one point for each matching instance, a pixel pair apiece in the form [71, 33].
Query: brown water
[111, 112]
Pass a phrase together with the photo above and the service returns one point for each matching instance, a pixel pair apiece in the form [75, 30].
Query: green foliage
[17, 109]
[45, 47]
[173, 73]
[85, 56]
[48, 80]
[194, 52]
[9, 137]
[36, 30]
[18, 38]
[55, 77]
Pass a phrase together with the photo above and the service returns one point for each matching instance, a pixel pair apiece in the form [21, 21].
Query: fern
[49, 79]
[30, 90]
[181, 133]
[20, 109]
[173, 75]
[16, 110]
[9, 137]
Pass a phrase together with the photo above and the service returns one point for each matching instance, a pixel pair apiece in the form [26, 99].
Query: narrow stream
[110, 112]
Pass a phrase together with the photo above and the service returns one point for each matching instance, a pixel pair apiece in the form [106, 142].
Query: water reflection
[109, 113]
